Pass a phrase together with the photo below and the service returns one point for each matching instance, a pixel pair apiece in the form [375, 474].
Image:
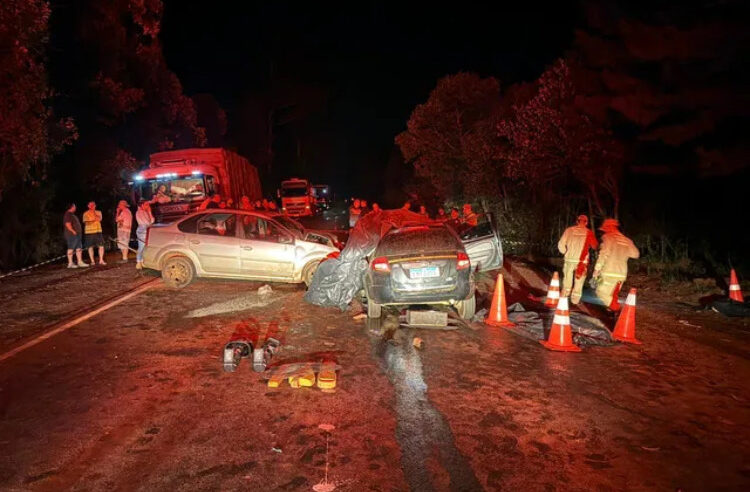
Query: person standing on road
[575, 244]
[423, 212]
[144, 219]
[124, 219]
[441, 217]
[72, 232]
[611, 267]
[92, 222]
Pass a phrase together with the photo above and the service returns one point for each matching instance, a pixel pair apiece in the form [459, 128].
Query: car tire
[309, 271]
[374, 310]
[467, 308]
[178, 272]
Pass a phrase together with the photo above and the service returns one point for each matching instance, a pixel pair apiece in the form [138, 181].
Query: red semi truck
[177, 181]
[297, 199]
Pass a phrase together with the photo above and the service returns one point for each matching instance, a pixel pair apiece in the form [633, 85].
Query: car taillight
[380, 264]
[462, 261]
[148, 233]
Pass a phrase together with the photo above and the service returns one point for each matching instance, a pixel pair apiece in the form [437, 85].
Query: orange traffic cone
[625, 326]
[498, 315]
[735, 293]
[560, 335]
[553, 293]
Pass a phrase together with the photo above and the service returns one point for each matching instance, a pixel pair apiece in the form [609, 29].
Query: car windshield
[417, 240]
[290, 224]
[294, 190]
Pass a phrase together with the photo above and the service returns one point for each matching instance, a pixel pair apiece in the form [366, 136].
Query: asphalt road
[136, 398]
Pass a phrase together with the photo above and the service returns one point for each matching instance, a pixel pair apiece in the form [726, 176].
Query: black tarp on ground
[731, 308]
[587, 330]
[337, 281]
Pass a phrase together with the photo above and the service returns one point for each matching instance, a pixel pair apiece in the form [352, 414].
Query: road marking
[78, 319]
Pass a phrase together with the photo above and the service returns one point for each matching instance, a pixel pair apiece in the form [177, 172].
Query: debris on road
[300, 373]
[327, 375]
[265, 290]
[360, 316]
[428, 318]
[417, 342]
[276, 450]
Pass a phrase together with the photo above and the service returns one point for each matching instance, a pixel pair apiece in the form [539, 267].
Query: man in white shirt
[124, 219]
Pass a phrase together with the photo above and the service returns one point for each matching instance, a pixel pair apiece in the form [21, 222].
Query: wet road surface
[136, 399]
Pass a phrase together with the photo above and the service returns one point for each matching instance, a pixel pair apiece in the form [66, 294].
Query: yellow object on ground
[275, 380]
[327, 375]
[302, 379]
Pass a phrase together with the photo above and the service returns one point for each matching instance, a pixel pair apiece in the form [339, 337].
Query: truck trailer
[176, 182]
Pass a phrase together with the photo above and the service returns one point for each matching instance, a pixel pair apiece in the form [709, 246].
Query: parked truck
[178, 181]
[297, 199]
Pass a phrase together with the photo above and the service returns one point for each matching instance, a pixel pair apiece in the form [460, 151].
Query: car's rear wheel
[467, 307]
[309, 271]
[178, 272]
[374, 310]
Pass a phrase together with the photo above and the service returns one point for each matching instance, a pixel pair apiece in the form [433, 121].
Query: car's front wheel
[178, 272]
[467, 307]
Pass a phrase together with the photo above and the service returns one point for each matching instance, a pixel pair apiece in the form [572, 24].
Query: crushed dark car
[420, 264]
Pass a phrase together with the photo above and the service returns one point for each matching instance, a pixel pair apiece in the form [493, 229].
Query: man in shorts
[92, 222]
[72, 232]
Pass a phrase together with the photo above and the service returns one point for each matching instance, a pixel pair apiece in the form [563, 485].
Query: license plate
[424, 272]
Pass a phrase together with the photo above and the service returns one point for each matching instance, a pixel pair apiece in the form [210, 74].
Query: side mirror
[286, 239]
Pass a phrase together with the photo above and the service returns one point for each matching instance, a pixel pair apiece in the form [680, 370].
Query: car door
[482, 244]
[216, 243]
[266, 249]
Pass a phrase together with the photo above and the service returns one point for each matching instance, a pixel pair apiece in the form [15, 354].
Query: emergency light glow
[195, 173]
[138, 177]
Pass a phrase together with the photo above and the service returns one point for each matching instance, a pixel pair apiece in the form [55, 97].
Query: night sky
[374, 63]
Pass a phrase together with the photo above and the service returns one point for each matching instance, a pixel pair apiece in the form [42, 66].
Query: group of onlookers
[215, 201]
[359, 208]
[90, 235]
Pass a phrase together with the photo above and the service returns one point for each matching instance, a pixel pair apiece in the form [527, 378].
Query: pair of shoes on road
[139, 265]
[72, 265]
[122, 261]
[101, 262]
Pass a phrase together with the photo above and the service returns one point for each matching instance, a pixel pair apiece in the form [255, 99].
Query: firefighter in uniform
[611, 267]
[575, 244]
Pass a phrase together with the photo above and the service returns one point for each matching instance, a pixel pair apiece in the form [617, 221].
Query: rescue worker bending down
[611, 267]
[575, 244]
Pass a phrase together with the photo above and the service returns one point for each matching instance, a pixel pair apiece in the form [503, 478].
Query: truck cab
[175, 191]
[297, 197]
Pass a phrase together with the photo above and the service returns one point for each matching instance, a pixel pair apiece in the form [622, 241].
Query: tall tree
[554, 145]
[129, 103]
[29, 132]
[450, 139]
